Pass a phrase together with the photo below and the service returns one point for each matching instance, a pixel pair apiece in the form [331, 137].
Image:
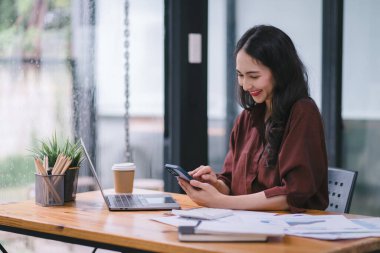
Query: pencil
[46, 180]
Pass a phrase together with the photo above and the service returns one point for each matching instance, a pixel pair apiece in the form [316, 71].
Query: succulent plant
[51, 148]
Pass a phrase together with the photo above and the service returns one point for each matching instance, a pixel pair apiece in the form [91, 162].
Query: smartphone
[177, 171]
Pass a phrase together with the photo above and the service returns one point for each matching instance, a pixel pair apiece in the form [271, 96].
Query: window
[35, 87]
[63, 68]
[145, 85]
[361, 105]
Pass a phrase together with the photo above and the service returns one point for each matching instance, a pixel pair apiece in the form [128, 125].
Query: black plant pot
[71, 183]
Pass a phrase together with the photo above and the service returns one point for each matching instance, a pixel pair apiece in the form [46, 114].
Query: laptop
[133, 202]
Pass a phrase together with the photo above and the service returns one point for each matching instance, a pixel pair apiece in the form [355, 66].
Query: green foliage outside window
[27, 27]
[23, 22]
[16, 170]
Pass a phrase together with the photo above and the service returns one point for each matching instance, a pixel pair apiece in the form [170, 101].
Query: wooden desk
[87, 221]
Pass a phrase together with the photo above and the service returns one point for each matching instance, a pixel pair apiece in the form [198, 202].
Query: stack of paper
[257, 226]
[329, 227]
[231, 226]
[255, 230]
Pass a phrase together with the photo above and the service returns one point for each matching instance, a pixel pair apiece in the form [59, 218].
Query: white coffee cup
[124, 174]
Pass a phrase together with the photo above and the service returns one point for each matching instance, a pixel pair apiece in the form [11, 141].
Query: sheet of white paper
[253, 213]
[372, 224]
[247, 216]
[294, 215]
[337, 236]
[253, 227]
[238, 216]
[203, 213]
[320, 224]
[369, 227]
[176, 221]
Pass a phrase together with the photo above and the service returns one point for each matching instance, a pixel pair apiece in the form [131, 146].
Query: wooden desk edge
[93, 238]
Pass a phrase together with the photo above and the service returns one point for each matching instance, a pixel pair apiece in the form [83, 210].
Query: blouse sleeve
[302, 161]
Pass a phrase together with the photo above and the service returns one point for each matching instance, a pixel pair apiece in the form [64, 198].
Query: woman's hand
[206, 174]
[204, 194]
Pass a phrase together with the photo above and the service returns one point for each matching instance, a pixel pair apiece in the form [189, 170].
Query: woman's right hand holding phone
[207, 175]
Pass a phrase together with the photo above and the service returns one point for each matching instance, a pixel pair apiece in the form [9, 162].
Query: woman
[277, 156]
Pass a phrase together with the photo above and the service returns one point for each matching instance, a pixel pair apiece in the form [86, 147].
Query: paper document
[320, 224]
[236, 218]
[373, 224]
[176, 221]
[253, 227]
[203, 213]
[324, 227]
[331, 227]
[337, 236]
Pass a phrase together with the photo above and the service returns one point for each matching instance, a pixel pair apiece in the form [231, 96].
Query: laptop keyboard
[124, 200]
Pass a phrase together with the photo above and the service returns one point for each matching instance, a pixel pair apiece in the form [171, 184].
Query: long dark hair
[274, 49]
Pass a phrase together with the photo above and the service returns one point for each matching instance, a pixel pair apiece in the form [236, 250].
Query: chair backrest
[341, 188]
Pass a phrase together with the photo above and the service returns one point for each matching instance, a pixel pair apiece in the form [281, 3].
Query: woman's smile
[254, 77]
[255, 93]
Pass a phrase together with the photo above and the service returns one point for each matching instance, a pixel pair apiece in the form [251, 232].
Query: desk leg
[2, 249]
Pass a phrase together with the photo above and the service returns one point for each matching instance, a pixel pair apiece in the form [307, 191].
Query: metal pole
[128, 151]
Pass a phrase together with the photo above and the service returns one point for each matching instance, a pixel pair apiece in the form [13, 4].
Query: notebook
[214, 231]
[125, 202]
[189, 234]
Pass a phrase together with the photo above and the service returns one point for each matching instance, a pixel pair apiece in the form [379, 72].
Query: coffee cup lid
[123, 166]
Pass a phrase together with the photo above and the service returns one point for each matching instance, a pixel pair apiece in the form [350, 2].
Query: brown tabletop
[87, 221]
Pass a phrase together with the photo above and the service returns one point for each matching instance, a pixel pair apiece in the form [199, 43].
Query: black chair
[341, 188]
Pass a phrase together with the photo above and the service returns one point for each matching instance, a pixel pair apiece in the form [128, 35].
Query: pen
[295, 223]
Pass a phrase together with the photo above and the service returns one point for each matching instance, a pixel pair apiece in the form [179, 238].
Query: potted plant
[61, 159]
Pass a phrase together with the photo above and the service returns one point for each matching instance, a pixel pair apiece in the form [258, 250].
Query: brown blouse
[301, 171]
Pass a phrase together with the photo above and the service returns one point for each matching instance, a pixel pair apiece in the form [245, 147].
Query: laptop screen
[92, 168]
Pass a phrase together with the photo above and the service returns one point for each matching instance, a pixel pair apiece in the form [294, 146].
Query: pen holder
[49, 190]
[71, 182]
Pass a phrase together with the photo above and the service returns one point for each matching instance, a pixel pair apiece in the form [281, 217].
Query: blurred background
[95, 69]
